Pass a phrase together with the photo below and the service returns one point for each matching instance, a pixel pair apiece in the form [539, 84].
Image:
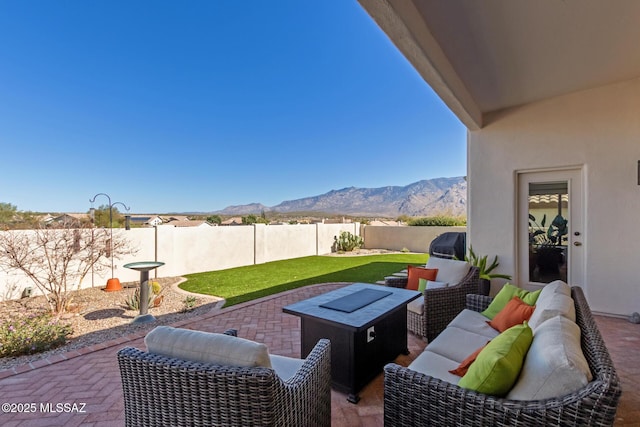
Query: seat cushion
[435, 365]
[285, 367]
[498, 365]
[456, 344]
[206, 347]
[555, 364]
[416, 306]
[462, 369]
[475, 322]
[450, 271]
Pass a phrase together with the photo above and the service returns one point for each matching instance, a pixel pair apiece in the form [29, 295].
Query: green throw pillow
[422, 284]
[505, 295]
[497, 367]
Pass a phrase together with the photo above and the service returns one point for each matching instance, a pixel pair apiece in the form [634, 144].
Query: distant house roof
[146, 219]
[189, 223]
[384, 222]
[175, 218]
[232, 221]
[336, 221]
[67, 219]
[140, 218]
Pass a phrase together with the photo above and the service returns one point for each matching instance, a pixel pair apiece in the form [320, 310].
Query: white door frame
[576, 245]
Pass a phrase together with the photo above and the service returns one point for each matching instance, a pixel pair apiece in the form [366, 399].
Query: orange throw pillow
[514, 313]
[417, 273]
[464, 365]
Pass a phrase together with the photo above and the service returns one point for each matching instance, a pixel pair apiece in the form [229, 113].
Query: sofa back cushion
[557, 287]
[555, 364]
[552, 305]
[450, 271]
[206, 347]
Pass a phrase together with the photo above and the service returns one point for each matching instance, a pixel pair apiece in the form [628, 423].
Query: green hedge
[441, 221]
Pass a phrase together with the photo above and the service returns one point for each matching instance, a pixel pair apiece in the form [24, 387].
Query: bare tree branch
[56, 260]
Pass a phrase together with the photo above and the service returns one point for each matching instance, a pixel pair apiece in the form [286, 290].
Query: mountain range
[423, 198]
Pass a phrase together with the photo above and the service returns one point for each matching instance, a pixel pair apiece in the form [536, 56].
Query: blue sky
[194, 106]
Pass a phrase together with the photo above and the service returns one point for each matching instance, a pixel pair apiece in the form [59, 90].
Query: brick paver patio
[88, 381]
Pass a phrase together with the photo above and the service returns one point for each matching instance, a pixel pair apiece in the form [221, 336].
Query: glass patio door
[550, 228]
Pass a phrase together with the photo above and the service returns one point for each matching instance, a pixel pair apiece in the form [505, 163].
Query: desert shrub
[156, 288]
[347, 242]
[133, 302]
[32, 334]
[441, 221]
[189, 302]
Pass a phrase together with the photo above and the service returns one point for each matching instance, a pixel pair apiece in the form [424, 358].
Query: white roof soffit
[484, 56]
[403, 24]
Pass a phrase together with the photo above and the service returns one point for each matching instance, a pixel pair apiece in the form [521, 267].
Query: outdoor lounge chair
[161, 390]
[429, 315]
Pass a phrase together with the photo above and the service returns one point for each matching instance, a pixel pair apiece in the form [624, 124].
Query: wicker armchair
[164, 391]
[413, 398]
[440, 305]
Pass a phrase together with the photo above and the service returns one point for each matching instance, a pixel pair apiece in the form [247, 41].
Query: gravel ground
[101, 316]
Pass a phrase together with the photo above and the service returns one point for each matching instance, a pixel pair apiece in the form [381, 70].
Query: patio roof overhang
[481, 57]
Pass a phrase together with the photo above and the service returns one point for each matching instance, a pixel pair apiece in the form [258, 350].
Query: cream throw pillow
[555, 365]
[206, 347]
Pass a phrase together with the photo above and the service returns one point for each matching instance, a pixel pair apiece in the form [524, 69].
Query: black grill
[451, 245]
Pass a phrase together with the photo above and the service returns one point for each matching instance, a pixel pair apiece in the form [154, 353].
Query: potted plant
[485, 270]
[546, 247]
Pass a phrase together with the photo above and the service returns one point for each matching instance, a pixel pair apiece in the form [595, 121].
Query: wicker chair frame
[163, 391]
[412, 398]
[440, 305]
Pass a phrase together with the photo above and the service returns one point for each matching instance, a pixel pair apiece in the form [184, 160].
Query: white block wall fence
[186, 250]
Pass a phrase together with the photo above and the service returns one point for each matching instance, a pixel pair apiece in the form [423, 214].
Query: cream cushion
[285, 367]
[555, 365]
[552, 305]
[456, 344]
[435, 365]
[557, 287]
[416, 306]
[475, 322]
[436, 285]
[206, 347]
[449, 270]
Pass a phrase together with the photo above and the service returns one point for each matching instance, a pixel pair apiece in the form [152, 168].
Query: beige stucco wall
[416, 239]
[596, 130]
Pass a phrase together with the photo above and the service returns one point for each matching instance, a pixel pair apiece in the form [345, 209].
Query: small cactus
[347, 242]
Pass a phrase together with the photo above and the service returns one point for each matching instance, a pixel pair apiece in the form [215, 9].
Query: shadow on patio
[90, 378]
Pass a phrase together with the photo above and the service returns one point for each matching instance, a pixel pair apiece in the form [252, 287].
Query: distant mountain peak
[430, 197]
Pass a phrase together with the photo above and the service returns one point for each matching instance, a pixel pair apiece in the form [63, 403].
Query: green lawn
[242, 284]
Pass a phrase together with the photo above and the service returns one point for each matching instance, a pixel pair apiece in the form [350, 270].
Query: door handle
[577, 243]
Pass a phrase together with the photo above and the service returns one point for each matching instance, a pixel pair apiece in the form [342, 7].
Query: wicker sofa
[415, 398]
[160, 390]
[429, 315]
